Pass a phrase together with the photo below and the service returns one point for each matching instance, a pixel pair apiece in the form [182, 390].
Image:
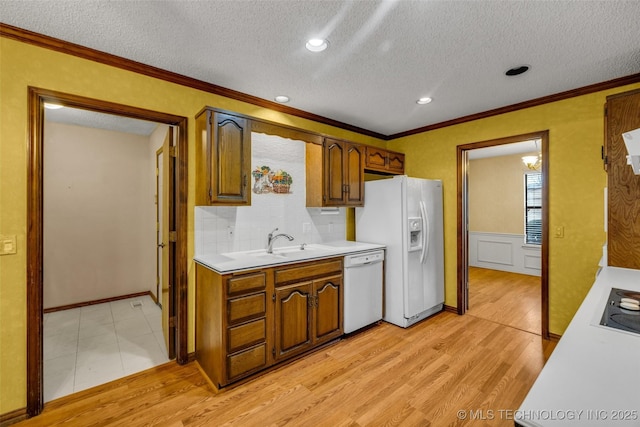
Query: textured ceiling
[382, 56]
[86, 118]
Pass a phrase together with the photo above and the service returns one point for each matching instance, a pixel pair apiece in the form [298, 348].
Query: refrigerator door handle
[425, 232]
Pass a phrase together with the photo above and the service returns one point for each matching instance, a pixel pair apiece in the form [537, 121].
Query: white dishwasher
[362, 289]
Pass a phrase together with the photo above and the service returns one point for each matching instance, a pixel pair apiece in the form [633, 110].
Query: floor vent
[136, 304]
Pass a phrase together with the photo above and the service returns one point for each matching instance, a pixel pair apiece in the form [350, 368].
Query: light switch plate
[559, 231]
[8, 245]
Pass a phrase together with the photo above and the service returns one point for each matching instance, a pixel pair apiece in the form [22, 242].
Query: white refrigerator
[405, 214]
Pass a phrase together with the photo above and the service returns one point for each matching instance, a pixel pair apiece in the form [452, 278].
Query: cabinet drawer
[246, 308]
[309, 271]
[245, 284]
[246, 335]
[247, 360]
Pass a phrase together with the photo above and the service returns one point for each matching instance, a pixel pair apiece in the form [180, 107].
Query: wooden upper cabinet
[623, 186]
[224, 159]
[334, 159]
[384, 161]
[396, 163]
[354, 173]
[343, 173]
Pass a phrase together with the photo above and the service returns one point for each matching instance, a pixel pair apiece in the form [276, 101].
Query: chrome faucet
[271, 238]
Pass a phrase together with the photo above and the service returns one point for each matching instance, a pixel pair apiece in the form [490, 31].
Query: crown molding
[585, 90]
[52, 43]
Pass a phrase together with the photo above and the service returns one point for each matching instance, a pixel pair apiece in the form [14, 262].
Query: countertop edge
[213, 261]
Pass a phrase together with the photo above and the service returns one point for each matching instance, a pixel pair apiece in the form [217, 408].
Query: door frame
[463, 221]
[37, 97]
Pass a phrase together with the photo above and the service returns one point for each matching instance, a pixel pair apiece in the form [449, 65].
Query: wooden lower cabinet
[328, 306]
[248, 322]
[294, 305]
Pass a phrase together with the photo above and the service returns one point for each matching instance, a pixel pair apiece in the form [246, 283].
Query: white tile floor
[92, 345]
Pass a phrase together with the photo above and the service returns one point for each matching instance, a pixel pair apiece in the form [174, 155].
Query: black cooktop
[617, 317]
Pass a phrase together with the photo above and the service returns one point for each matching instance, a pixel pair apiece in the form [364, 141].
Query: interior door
[166, 202]
[159, 236]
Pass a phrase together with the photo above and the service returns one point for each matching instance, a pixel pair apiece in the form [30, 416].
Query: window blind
[533, 208]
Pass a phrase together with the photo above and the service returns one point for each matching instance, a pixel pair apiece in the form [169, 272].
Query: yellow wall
[23, 65]
[576, 182]
[576, 177]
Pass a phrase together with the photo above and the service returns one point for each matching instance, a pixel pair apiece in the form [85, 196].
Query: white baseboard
[505, 252]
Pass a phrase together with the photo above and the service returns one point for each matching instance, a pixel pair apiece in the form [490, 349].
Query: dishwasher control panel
[362, 259]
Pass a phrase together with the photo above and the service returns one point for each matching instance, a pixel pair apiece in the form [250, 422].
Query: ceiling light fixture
[316, 45]
[515, 71]
[424, 100]
[52, 106]
[282, 99]
[533, 162]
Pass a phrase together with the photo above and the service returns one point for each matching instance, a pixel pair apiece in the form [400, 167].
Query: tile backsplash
[220, 229]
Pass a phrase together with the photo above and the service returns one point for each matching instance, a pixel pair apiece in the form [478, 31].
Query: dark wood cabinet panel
[387, 162]
[343, 173]
[334, 173]
[233, 323]
[308, 312]
[328, 307]
[293, 319]
[354, 172]
[246, 335]
[241, 364]
[396, 163]
[223, 159]
[249, 321]
[376, 158]
[623, 229]
[246, 307]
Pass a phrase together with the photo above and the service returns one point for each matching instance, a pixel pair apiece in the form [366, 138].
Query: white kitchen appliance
[362, 289]
[405, 214]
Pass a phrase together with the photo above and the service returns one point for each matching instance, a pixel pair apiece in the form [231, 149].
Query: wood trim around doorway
[37, 97]
[462, 245]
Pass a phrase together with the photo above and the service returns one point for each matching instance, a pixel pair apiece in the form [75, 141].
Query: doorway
[176, 246]
[463, 152]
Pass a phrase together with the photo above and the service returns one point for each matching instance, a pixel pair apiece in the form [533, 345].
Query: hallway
[510, 299]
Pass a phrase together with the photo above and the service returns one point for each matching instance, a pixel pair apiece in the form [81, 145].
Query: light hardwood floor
[508, 298]
[425, 375]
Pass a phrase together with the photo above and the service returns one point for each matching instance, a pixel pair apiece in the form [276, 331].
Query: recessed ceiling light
[282, 99]
[52, 106]
[517, 70]
[424, 100]
[316, 45]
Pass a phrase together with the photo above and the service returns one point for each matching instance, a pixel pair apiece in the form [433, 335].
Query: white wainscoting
[505, 252]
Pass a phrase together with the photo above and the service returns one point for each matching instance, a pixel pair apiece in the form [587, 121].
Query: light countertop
[593, 376]
[232, 262]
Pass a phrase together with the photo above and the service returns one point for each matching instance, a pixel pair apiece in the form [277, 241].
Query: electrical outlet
[330, 227]
[230, 231]
[8, 245]
[559, 232]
